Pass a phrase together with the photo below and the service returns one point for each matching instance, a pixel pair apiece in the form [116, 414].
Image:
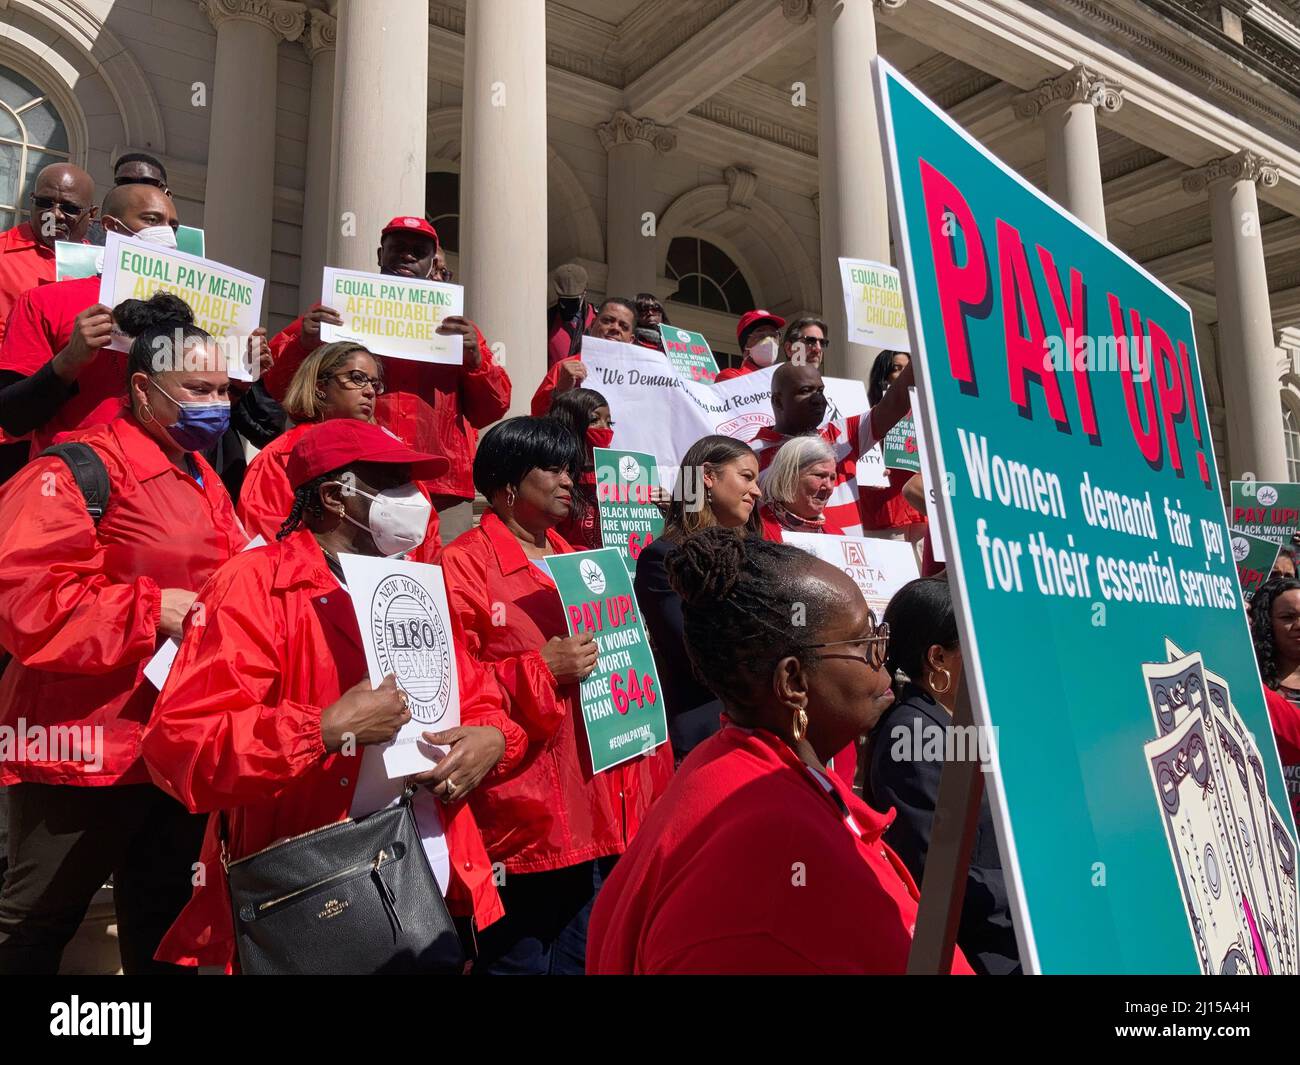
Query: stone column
[1248, 364]
[632, 145]
[1068, 108]
[851, 187]
[317, 221]
[503, 203]
[240, 191]
[381, 122]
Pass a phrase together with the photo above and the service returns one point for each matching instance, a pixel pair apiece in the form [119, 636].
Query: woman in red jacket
[551, 821]
[256, 714]
[84, 604]
[756, 859]
[886, 513]
[585, 413]
[339, 380]
[796, 488]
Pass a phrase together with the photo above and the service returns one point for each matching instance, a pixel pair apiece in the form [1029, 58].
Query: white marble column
[1068, 107]
[503, 204]
[632, 145]
[381, 122]
[851, 187]
[240, 193]
[317, 221]
[1248, 361]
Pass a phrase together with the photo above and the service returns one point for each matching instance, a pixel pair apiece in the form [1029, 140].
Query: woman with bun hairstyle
[85, 602]
[757, 859]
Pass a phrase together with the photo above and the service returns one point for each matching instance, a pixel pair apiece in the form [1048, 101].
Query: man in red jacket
[62, 208]
[759, 335]
[615, 320]
[432, 406]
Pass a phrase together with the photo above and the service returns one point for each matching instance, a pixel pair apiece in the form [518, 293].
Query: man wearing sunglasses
[62, 206]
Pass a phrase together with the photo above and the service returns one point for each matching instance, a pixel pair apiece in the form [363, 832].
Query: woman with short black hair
[551, 822]
[923, 646]
[756, 859]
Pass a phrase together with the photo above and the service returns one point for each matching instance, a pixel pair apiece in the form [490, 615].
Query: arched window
[706, 277]
[442, 206]
[1291, 432]
[32, 135]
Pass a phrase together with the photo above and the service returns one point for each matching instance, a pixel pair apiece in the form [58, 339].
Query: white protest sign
[394, 316]
[931, 490]
[659, 411]
[879, 567]
[226, 302]
[405, 626]
[873, 305]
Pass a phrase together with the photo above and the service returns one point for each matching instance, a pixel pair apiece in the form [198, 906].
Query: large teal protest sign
[1139, 800]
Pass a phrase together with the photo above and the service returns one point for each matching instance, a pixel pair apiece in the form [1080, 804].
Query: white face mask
[398, 520]
[163, 236]
[765, 351]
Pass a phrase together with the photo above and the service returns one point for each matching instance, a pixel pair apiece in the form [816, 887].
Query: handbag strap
[223, 829]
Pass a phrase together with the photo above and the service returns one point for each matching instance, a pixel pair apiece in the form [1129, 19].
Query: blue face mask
[200, 425]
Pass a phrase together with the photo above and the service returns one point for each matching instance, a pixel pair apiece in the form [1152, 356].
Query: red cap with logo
[409, 223]
[340, 442]
[750, 319]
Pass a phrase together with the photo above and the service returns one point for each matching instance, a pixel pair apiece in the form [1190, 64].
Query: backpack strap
[89, 471]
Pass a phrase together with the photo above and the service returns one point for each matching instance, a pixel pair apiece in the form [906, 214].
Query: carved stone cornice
[628, 129]
[1244, 165]
[1077, 85]
[322, 34]
[741, 185]
[285, 18]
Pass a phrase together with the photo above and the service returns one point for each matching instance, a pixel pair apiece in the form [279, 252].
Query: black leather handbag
[357, 896]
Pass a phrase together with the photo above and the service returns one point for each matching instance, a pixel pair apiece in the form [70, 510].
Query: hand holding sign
[474, 750]
[570, 658]
[370, 715]
[464, 328]
[314, 319]
[91, 332]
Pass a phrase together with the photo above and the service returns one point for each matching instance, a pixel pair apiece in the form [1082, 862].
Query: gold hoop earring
[145, 414]
[800, 726]
[510, 497]
[947, 681]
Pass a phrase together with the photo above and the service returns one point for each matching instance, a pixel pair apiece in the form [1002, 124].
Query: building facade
[720, 153]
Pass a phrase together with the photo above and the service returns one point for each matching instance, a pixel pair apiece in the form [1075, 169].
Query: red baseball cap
[752, 318]
[409, 223]
[340, 442]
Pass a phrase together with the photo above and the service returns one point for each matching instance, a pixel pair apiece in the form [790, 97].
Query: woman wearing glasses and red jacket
[339, 380]
[256, 715]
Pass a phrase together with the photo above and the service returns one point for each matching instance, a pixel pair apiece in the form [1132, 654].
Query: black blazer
[693, 710]
[911, 786]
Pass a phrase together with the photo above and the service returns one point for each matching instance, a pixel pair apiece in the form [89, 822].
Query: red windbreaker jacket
[238, 728]
[80, 603]
[554, 812]
[433, 407]
[266, 496]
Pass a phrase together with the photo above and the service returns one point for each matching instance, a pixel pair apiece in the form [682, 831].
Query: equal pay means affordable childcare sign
[394, 316]
[226, 302]
[622, 707]
[1138, 797]
[873, 305]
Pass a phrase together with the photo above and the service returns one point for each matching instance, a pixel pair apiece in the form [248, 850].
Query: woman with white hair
[796, 488]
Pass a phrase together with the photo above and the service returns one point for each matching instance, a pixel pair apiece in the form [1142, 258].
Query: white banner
[397, 317]
[879, 567]
[873, 305]
[655, 409]
[406, 629]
